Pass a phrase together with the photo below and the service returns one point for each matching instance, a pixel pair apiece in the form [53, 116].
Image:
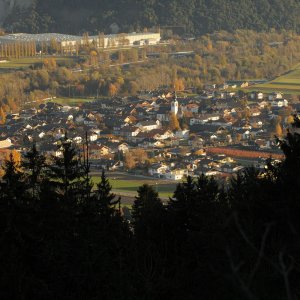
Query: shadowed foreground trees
[62, 240]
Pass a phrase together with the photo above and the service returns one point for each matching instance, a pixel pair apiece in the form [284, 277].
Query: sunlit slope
[288, 83]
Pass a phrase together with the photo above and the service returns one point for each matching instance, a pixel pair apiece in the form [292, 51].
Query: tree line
[18, 50]
[61, 238]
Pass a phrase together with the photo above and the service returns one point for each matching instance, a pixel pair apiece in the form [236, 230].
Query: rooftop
[39, 38]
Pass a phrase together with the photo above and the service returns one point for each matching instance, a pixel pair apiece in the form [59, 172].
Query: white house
[257, 96]
[149, 125]
[275, 95]
[263, 104]
[158, 169]
[279, 103]
[93, 136]
[161, 134]
[5, 144]
[66, 108]
[260, 96]
[204, 118]
[213, 117]
[198, 120]
[212, 173]
[129, 131]
[178, 174]
[77, 139]
[41, 134]
[182, 134]
[80, 119]
[123, 147]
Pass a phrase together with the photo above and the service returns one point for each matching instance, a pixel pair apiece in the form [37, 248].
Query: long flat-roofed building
[115, 40]
[71, 43]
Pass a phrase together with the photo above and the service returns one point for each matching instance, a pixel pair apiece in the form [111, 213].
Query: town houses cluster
[158, 133]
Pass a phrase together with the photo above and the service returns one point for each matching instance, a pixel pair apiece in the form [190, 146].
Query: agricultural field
[25, 63]
[288, 83]
[71, 101]
[128, 187]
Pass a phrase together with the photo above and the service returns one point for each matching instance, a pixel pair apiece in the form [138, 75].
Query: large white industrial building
[115, 40]
[71, 43]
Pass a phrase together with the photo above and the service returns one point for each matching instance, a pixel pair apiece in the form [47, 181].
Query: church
[174, 106]
[164, 112]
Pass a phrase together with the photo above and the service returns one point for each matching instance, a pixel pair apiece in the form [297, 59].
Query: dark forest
[195, 17]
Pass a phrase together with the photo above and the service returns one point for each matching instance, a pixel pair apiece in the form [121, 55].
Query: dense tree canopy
[192, 16]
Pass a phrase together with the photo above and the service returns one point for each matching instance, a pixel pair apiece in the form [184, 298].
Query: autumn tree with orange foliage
[179, 84]
[2, 116]
[140, 155]
[129, 161]
[112, 89]
[50, 64]
[278, 130]
[174, 123]
[93, 57]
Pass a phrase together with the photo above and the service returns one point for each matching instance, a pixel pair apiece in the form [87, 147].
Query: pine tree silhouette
[106, 201]
[34, 167]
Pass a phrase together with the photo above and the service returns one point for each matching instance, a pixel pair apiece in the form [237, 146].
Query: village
[159, 133]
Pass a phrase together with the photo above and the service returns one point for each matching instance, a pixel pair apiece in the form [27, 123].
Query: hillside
[192, 16]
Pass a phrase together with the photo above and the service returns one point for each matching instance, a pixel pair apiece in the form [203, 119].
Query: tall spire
[174, 104]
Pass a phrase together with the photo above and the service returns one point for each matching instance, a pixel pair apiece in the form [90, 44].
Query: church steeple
[174, 105]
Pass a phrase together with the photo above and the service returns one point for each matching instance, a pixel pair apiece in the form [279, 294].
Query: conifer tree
[288, 173]
[12, 181]
[18, 225]
[147, 212]
[33, 165]
[182, 204]
[87, 183]
[66, 172]
[105, 199]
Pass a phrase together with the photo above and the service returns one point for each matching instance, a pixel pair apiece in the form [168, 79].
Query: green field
[288, 83]
[24, 63]
[129, 187]
[72, 101]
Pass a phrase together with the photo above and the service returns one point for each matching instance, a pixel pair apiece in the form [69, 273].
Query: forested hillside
[195, 16]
